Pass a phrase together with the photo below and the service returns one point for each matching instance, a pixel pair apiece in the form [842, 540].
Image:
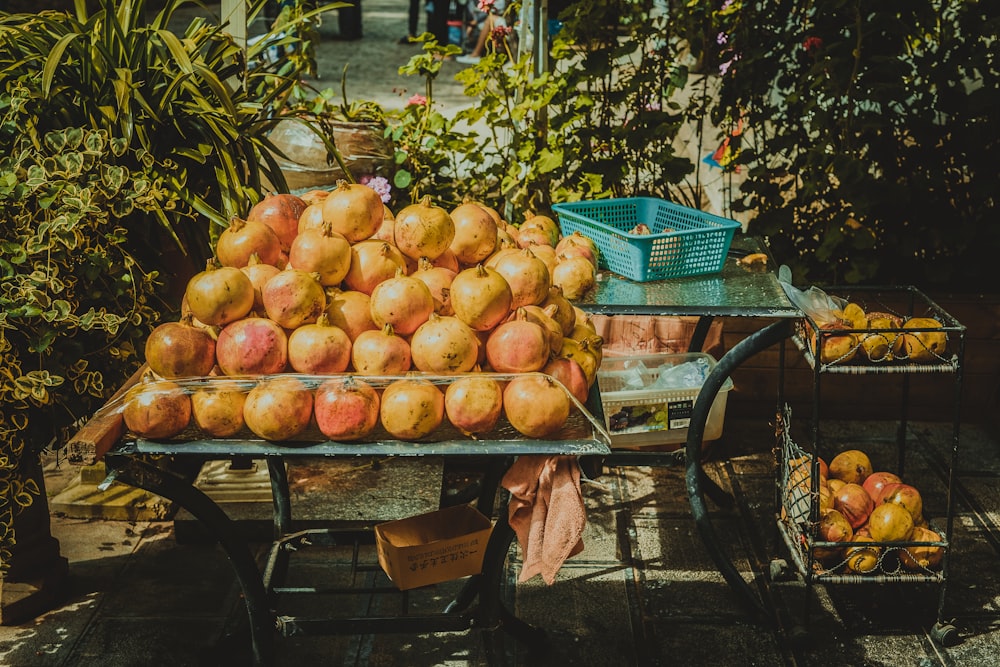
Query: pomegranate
[180, 349]
[473, 404]
[371, 263]
[387, 230]
[259, 273]
[252, 346]
[577, 251]
[219, 295]
[447, 260]
[380, 352]
[280, 212]
[575, 275]
[475, 233]
[157, 410]
[312, 218]
[576, 240]
[526, 237]
[835, 484]
[322, 251]
[527, 276]
[545, 224]
[587, 353]
[319, 349]
[862, 559]
[353, 210]
[411, 408]
[346, 408]
[569, 373]
[423, 230]
[877, 481]
[438, 280]
[825, 497]
[832, 527]
[922, 558]
[851, 466]
[493, 213]
[536, 405]
[244, 238]
[293, 298]
[565, 313]
[404, 302]
[349, 310]
[890, 522]
[481, 297]
[907, 496]
[491, 261]
[518, 346]
[278, 408]
[314, 196]
[218, 409]
[444, 345]
[854, 503]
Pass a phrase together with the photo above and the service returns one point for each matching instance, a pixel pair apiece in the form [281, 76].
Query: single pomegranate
[311, 218]
[877, 481]
[259, 273]
[565, 313]
[574, 240]
[252, 346]
[536, 405]
[280, 212]
[444, 345]
[473, 404]
[832, 527]
[293, 298]
[349, 310]
[346, 408]
[243, 238]
[319, 349]
[278, 408]
[906, 496]
[423, 230]
[411, 408]
[890, 522]
[851, 466]
[577, 252]
[475, 236]
[371, 263]
[157, 409]
[518, 346]
[219, 295]
[862, 559]
[322, 251]
[923, 557]
[543, 223]
[568, 372]
[380, 352]
[180, 349]
[481, 297]
[403, 301]
[438, 280]
[854, 503]
[544, 317]
[527, 276]
[218, 409]
[354, 210]
[575, 275]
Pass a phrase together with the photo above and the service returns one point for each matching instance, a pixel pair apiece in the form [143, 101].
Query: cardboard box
[433, 547]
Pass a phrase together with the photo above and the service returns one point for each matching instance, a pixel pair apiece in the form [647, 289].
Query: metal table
[737, 291]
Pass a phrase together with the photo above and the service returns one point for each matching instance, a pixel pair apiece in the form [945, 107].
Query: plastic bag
[683, 376]
[814, 302]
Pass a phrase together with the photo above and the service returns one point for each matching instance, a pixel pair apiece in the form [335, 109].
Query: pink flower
[379, 185]
[417, 100]
[485, 5]
[500, 33]
[721, 38]
[812, 44]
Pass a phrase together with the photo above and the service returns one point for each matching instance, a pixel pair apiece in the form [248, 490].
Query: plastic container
[644, 417]
[682, 241]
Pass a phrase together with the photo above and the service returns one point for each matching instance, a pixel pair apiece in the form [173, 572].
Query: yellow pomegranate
[890, 522]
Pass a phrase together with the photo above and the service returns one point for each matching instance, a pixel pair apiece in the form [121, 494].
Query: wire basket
[676, 241]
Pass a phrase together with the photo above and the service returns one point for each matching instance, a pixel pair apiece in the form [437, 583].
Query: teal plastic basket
[684, 241]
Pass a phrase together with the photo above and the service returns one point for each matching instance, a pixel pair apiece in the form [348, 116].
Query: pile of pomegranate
[333, 285]
[867, 509]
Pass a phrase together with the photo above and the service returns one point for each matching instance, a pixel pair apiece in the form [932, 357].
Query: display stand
[798, 505]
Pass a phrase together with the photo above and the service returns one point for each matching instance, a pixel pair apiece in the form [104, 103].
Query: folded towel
[546, 511]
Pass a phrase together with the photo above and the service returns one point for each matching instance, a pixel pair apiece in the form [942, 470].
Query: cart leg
[151, 478]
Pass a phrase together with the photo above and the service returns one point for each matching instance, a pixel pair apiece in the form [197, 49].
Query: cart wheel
[945, 634]
[779, 570]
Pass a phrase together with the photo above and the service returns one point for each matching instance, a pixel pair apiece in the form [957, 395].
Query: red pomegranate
[346, 408]
[568, 372]
[252, 346]
[180, 349]
[380, 352]
[319, 349]
[244, 238]
[280, 212]
[518, 346]
[473, 404]
[536, 405]
[854, 503]
[877, 481]
[157, 410]
[293, 298]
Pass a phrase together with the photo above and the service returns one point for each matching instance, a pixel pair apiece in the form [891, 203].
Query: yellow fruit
[862, 559]
[921, 346]
[851, 466]
[855, 316]
[890, 523]
[920, 558]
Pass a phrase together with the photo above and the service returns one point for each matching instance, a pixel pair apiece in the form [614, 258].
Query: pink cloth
[546, 511]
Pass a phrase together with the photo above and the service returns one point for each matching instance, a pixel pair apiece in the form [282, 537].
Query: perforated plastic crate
[682, 241]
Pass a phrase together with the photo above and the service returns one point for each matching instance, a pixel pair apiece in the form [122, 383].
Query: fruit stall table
[745, 287]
